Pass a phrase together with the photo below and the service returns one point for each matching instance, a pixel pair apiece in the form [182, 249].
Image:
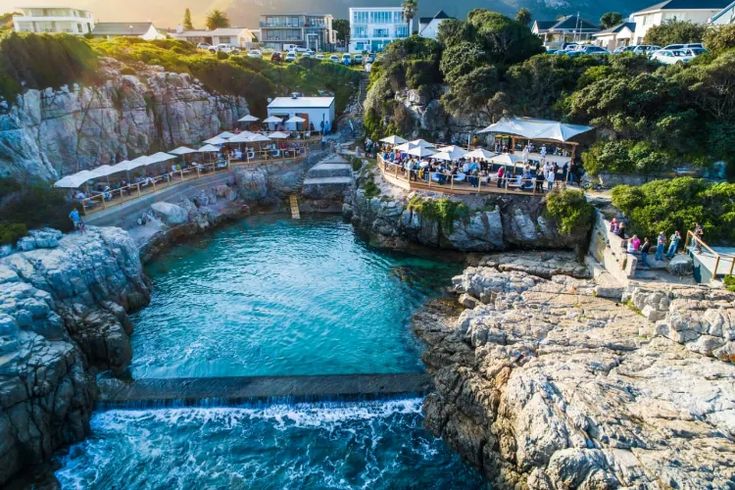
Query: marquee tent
[537, 129]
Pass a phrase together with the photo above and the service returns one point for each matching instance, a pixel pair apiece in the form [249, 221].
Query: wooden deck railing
[723, 259]
[409, 180]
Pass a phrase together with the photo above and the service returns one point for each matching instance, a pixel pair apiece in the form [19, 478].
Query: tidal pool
[274, 296]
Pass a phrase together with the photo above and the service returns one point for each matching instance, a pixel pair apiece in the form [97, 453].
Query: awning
[537, 129]
[182, 150]
[393, 140]
[278, 135]
[272, 120]
[141, 161]
[480, 154]
[248, 118]
[74, 181]
[102, 171]
[208, 149]
[160, 157]
[421, 152]
[216, 140]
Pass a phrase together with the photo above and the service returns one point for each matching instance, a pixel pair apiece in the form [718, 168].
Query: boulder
[41, 238]
[682, 265]
[170, 214]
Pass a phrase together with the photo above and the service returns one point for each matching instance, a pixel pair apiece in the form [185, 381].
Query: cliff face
[51, 133]
[542, 384]
[63, 310]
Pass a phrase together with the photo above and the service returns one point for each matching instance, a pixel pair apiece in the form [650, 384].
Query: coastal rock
[170, 214]
[548, 386]
[42, 238]
[62, 311]
[681, 265]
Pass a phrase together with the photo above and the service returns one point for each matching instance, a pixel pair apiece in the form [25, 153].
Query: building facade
[235, 36]
[725, 16]
[616, 37]
[373, 28]
[143, 30]
[695, 11]
[54, 19]
[306, 31]
[569, 29]
[429, 26]
[318, 112]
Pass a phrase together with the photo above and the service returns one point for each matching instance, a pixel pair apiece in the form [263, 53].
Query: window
[360, 17]
[380, 33]
[359, 31]
[402, 31]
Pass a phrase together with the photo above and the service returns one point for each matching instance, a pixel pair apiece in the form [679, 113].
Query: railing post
[104, 205]
[717, 265]
[732, 265]
[138, 185]
[451, 182]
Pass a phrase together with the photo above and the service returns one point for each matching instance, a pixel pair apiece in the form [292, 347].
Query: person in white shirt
[550, 178]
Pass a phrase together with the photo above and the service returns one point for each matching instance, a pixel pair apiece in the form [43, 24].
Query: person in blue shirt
[77, 220]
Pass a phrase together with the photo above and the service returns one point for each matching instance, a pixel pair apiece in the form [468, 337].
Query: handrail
[718, 256]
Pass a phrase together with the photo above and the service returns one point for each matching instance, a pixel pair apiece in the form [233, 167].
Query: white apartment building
[373, 28]
[695, 11]
[235, 36]
[725, 16]
[53, 19]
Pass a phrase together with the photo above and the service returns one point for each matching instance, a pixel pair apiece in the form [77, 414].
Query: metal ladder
[295, 213]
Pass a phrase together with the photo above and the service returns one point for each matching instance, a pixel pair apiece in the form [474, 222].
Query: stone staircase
[294, 201]
[328, 179]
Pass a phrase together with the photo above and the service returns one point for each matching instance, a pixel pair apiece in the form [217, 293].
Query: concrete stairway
[328, 179]
[294, 201]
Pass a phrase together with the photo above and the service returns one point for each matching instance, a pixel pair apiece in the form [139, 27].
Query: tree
[523, 16]
[187, 20]
[720, 38]
[610, 19]
[675, 32]
[342, 26]
[409, 10]
[217, 18]
[504, 40]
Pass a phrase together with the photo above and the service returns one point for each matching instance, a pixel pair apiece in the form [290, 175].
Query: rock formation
[542, 384]
[63, 313]
[50, 133]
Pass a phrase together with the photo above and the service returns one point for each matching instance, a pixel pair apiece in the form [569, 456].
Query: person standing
[699, 234]
[76, 219]
[644, 251]
[674, 244]
[550, 178]
[501, 174]
[660, 245]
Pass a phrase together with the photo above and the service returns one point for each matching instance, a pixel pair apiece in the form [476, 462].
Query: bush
[33, 205]
[720, 38]
[443, 211]
[11, 232]
[570, 209]
[729, 282]
[626, 157]
[675, 32]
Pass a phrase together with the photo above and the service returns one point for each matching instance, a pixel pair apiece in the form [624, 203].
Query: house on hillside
[724, 16]
[53, 19]
[279, 31]
[429, 26]
[373, 28]
[235, 36]
[616, 37]
[695, 11]
[143, 30]
[318, 112]
[571, 28]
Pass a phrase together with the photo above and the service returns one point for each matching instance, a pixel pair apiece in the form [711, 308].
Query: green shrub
[729, 282]
[443, 211]
[11, 232]
[31, 205]
[356, 164]
[570, 209]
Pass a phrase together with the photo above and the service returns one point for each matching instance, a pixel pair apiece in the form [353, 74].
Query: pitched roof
[441, 15]
[573, 22]
[543, 25]
[724, 11]
[121, 28]
[686, 5]
[617, 28]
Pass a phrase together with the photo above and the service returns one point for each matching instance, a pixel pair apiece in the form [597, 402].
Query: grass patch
[443, 211]
[632, 307]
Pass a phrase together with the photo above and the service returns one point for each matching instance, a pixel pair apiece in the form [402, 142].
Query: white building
[319, 112]
[235, 36]
[616, 37]
[143, 30]
[695, 11]
[429, 26]
[373, 28]
[725, 16]
[53, 19]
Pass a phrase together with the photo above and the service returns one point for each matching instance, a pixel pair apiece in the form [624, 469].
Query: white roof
[248, 118]
[141, 161]
[539, 129]
[159, 157]
[393, 140]
[102, 171]
[301, 102]
[182, 150]
[74, 181]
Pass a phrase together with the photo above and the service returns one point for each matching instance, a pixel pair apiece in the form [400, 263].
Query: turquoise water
[274, 296]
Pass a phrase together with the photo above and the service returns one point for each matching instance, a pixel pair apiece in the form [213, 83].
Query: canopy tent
[216, 140]
[537, 129]
[422, 143]
[160, 157]
[249, 119]
[74, 181]
[103, 171]
[278, 135]
[121, 166]
[421, 152]
[208, 149]
[480, 154]
[272, 120]
[442, 155]
[226, 135]
[141, 161]
[405, 147]
[393, 140]
[295, 120]
[182, 150]
[456, 152]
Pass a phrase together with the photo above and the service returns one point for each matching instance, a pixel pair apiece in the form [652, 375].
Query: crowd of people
[633, 244]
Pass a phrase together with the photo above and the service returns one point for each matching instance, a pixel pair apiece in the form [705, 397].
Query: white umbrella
[243, 137]
[296, 120]
[216, 140]
[272, 120]
[480, 154]
[182, 150]
[278, 135]
[442, 155]
[456, 152]
[248, 118]
[226, 135]
[393, 140]
[422, 143]
[421, 152]
[405, 147]
[258, 138]
[208, 149]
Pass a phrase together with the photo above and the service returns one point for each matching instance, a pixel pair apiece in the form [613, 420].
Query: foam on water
[336, 445]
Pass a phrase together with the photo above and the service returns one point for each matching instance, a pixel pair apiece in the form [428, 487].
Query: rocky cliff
[493, 223]
[63, 314]
[49, 133]
[542, 384]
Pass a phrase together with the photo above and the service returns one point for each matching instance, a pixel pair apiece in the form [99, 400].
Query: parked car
[204, 46]
[672, 56]
[276, 57]
[346, 59]
[357, 59]
[589, 51]
[624, 49]
[334, 58]
[695, 51]
[225, 48]
[646, 49]
[309, 52]
[299, 49]
[255, 53]
[319, 56]
[684, 46]
[290, 56]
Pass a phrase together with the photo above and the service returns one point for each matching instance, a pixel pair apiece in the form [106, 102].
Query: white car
[291, 56]
[672, 56]
[204, 46]
[255, 53]
[225, 48]
[334, 58]
[319, 56]
[299, 49]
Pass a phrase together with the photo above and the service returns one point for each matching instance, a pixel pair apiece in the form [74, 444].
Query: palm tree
[217, 18]
[409, 12]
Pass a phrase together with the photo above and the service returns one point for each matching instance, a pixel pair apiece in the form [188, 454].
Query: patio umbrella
[480, 154]
[74, 181]
[226, 135]
[506, 159]
[296, 120]
[216, 140]
[455, 152]
[393, 140]
[422, 143]
[182, 150]
[405, 147]
[159, 157]
[243, 137]
[278, 135]
[249, 119]
[272, 120]
[208, 149]
[421, 152]
[442, 155]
